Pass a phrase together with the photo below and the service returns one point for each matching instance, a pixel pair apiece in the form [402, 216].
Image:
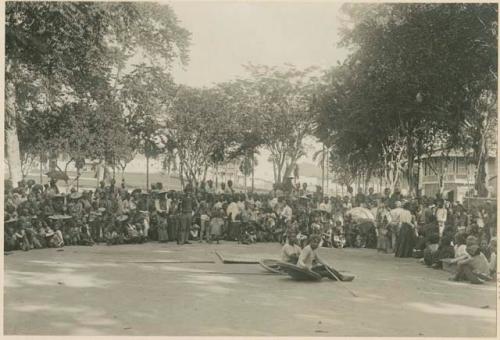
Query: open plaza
[133, 290]
[250, 168]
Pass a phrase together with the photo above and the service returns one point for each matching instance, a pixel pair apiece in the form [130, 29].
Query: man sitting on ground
[291, 251]
[474, 269]
[310, 260]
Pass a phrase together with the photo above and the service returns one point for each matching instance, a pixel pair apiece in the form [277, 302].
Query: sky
[227, 35]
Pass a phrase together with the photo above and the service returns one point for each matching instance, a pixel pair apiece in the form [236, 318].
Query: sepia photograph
[250, 168]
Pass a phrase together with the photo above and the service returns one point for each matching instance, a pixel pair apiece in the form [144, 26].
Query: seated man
[431, 249]
[310, 260]
[445, 251]
[474, 269]
[291, 251]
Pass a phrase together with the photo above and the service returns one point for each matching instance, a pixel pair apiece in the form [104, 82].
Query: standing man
[441, 216]
[210, 188]
[395, 223]
[233, 212]
[286, 213]
[186, 215]
[229, 188]
[325, 205]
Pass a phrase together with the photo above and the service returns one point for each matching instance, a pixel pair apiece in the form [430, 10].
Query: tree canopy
[412, 81]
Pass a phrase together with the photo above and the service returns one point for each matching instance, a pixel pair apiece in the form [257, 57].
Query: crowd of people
[433, 229]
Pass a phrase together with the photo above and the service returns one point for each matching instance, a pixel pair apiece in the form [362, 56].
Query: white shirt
[234, 210]
[441, 214]
[288, 251]
[396, 215]
[258, 204]
[273, 202]
[287, 213]
[306, 258]
[325, 207]
[169, 202]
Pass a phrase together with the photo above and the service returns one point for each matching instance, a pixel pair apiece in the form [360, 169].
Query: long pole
[341, 283]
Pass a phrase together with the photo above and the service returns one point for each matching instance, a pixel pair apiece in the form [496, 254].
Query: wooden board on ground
[298, 273]
[231, 259]
[272, 266]
[165, 261]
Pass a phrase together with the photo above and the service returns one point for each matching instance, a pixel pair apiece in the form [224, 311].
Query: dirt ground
[100, 291]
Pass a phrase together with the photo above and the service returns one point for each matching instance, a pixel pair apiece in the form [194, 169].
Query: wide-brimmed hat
[76, 195]
[122, 218]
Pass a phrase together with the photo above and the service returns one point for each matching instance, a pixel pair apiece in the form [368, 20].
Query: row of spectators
[39, 216]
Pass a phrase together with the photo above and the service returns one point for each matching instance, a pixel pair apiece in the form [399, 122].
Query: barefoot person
[309, 259]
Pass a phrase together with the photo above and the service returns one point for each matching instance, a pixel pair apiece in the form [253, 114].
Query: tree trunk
[410, 156]
[274, 171]
[13, 153]
[327, 171]
[253, 171]
[205, 170]
[368, 178]
[280, 168]
[41, 169]
[216, 175]
[245, 181]
[481, 187]
[323, 170]
[181, 174]
[147, 173]
[52, 161]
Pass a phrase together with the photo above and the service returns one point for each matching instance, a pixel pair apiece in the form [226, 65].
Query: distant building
[453, 175]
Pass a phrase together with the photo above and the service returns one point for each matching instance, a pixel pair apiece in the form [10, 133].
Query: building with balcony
[454, 175]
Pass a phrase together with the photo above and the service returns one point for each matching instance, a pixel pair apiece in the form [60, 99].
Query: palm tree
[321, 156]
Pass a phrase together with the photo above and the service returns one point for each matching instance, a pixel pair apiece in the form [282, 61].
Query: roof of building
[309, 170]
[454, 153]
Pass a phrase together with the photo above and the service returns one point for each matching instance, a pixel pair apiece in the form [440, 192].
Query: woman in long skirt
[162, 229]
[407, 238]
